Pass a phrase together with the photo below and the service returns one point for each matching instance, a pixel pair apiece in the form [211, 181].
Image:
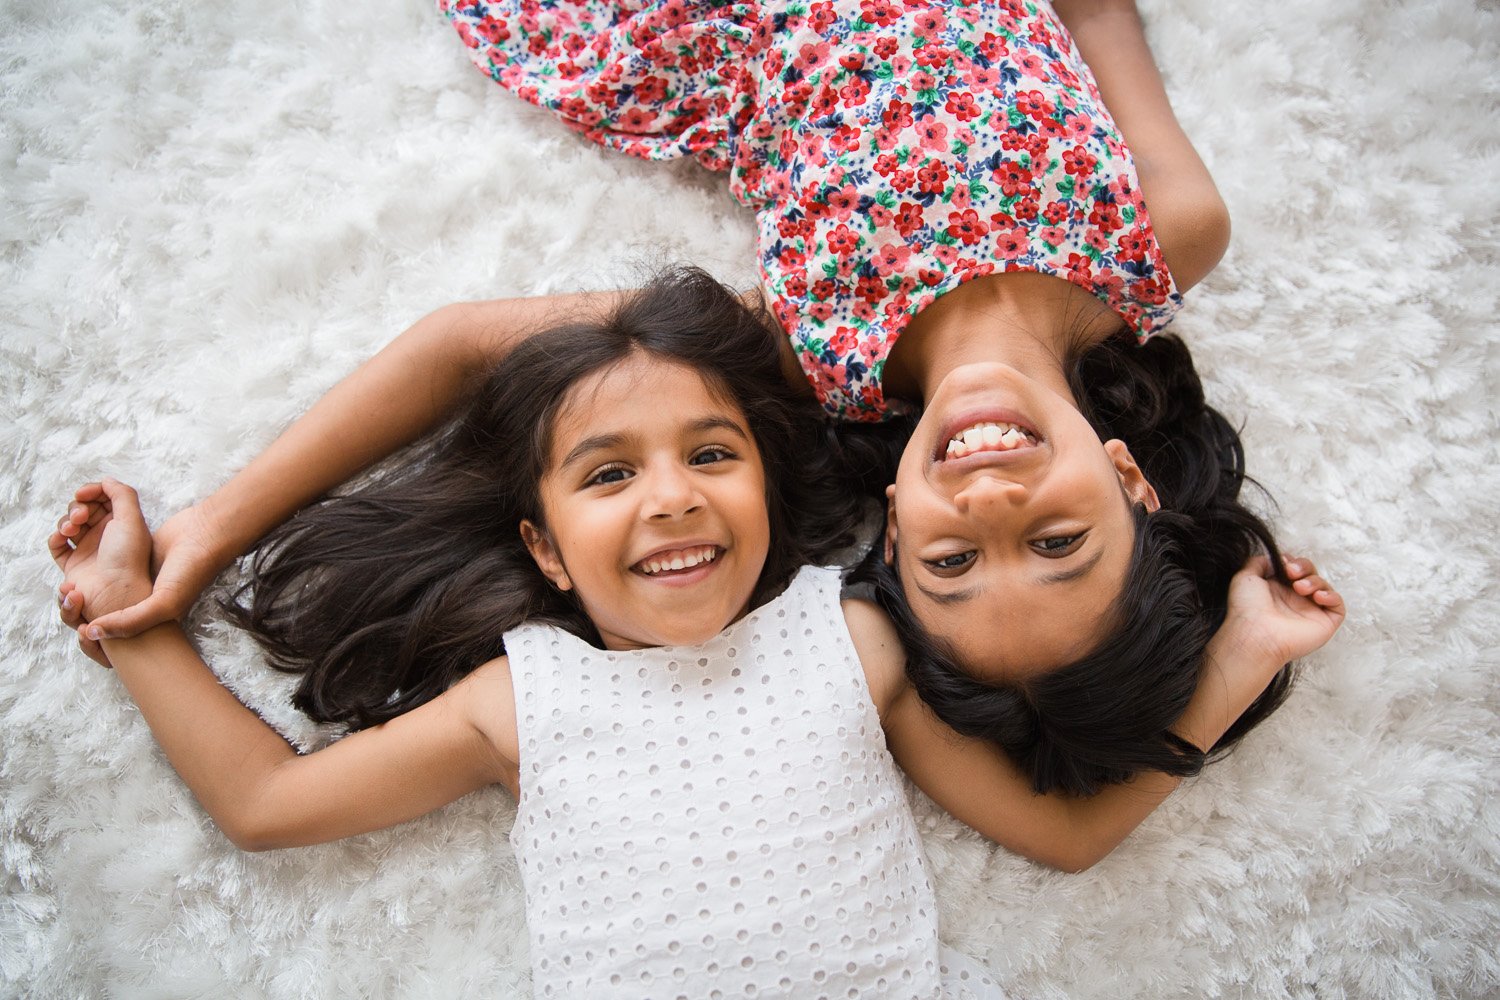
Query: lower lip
[682, 577]
[989, 416]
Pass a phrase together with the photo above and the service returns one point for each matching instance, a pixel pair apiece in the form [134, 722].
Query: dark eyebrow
[605, 441]
[969, 593]
[1077, 571]
[952, 597]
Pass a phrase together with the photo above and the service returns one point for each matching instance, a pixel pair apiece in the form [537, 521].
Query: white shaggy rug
[212, 212]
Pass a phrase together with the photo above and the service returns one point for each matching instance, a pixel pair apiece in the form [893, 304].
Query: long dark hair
[384, 596]
[1109, 715]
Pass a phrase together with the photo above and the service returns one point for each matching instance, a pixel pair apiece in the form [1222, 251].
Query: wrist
[115, 597]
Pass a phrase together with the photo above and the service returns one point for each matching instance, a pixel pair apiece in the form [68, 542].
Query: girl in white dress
[592, 590]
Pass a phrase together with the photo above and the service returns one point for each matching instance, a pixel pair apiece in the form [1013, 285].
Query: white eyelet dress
[720, 820]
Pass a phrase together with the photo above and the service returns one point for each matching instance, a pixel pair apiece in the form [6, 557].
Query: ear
[545, 553]
[1132, 479]
[890, 524]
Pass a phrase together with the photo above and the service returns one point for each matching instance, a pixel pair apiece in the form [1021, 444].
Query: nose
[670, 493]
[987, 496]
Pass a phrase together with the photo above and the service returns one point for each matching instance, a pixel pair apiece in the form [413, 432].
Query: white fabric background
[212, 212]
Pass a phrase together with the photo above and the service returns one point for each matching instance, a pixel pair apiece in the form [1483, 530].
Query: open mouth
[670, 561]
[989, 436]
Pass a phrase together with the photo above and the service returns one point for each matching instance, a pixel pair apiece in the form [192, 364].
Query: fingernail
[67, 602]
[95, 633]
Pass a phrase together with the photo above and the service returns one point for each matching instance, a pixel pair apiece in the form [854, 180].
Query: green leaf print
[886, 198]
[1128, 214]
[1067, 186]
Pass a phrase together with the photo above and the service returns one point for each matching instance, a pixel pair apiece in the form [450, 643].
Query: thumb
[134, 620]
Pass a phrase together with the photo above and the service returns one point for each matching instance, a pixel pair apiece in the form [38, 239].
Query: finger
[70, 608]
[1308, 584]
[123, 499]
[133, 620]
[88, 492]
[93, 651]
[1296, 567]
[59, 547]
[1330, 599]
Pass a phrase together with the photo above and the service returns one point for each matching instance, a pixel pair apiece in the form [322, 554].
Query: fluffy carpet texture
[211, 213]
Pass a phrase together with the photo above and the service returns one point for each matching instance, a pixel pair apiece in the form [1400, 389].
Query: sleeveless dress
[891, 149]
[720, 820]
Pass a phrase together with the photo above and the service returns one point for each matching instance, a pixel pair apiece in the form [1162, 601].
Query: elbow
[251, 834]
[1193, 230]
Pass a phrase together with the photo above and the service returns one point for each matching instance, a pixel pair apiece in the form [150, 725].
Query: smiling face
[1011, 523]
[654, 503]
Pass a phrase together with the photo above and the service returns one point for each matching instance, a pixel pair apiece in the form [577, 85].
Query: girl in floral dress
[951, 223]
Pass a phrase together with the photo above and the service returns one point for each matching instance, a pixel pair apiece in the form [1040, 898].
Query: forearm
[404, 391]
[1233, 676]
[221, 749]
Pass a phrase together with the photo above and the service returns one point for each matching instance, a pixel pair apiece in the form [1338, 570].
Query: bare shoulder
[879, 650]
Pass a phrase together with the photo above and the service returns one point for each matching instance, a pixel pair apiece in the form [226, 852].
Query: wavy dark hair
[1109, 715]
[382, 597]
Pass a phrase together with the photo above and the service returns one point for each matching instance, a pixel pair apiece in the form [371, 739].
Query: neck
[1032, 322]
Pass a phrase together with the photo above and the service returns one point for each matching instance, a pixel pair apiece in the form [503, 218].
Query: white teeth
[989, 435]
[681, 560]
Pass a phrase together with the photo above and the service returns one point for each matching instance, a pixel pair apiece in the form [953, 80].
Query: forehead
[638, 394]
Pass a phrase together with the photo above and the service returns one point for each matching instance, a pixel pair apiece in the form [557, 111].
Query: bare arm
[1268, 625]
[1189, 215]
[405, 390]
[263, 795]
[259, 791]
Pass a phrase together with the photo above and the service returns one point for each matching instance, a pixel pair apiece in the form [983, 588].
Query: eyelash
[721, 454]
[1040, 546]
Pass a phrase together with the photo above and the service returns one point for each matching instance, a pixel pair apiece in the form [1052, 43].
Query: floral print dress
[891, 149]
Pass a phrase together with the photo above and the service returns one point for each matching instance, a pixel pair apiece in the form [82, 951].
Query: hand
[104, 549]
[1276, 622]
[185, 558]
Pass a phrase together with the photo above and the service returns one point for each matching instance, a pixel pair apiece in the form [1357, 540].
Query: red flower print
[843, 240]
[1134, 246]
[966, 226]
[922, 80]
[1025, 206]
[794, 287]
[1055, 212]
[820, 311]
[933, 56]
[870, 288]
[1034, 104]
[962, 106]
[897, 114]
[651, 89]
[932, 176]
[879, 12]
[879, 215]
[885, 163]
[636, 120]
[991, 46]
[864, 310]
[1096, 239]
[852, 61]
[891, 258]
[821, 17]
[1106, 217]
[855, 92]
[885, 46]
[792, 258]
[1079, 162]
[1080, 267]
[947, 253]
[933, 134]
[1011, 244]
[929, 23]
[823, 289]
[1052, 235]
[929, 276]
[843, 201]
[491, 30]
[1012, 177]
[843, 340]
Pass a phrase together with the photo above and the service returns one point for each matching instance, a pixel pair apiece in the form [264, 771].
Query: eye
[951, 565]
[608, 476]
[1058, 545]
[711, 455]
